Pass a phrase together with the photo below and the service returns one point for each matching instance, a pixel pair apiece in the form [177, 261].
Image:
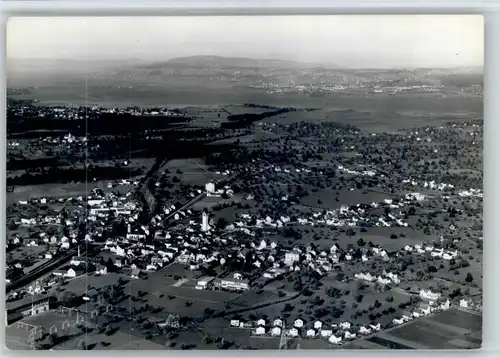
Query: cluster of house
[334, 333]
[432, 250]
[384, 279]
[369, 173]
[432, 302]
[342, 217]
[236, 283]
[471, 304]
[471, 192]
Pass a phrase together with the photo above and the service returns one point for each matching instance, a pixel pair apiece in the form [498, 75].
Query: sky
[373, 41]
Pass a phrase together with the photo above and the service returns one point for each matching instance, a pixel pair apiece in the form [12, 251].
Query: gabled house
[276, 331]
[349, 335]
[318, 325]
[398, 321]
[261, 322]
[235, 323]
[293, 332]
[334, 339]
[278, 322]
[345, 325]
[70, 273]
[101, 269]
[311, 333]
[298, 323]
[364, 331]
[260, 330]
[326, 332]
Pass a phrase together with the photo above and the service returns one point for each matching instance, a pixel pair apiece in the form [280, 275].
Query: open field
[19, 337]
[79, 284]
[333, 199]
[451, 329]
[116, 341]
[60, 190]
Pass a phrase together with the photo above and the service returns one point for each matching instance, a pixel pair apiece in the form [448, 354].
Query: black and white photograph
[244, 182]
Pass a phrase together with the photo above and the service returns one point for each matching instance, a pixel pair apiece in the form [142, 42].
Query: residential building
[235, 323]
[291, 258]
[311, 333]
[276, 331]
[27, 306]
[326, 332]
[334, 339]
[293, 332]
[231, 284]
[204, 282]
[298, 323]
[429, 295]
[260, 330]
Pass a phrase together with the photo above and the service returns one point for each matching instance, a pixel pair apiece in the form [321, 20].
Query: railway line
[43, 269]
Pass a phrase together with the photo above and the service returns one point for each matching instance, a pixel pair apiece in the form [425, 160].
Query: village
[335, 242]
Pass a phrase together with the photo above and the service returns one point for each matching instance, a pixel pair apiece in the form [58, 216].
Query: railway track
[43, 269]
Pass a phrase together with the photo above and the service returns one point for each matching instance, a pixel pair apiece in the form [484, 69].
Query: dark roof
[26, 301]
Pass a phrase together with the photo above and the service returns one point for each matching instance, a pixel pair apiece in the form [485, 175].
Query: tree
[361, 242]
[221, 223]
[469, 278]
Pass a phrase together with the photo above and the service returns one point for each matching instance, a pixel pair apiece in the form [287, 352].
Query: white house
[375, 327]
[291, 257]
[445, 305]
[261, 322]
[397, 321]
[310, 333]
[335, 340]
[276, 331]
[278, 322]
[234, 323]
[298, 323]
[464, 303]
[318, 325]
[367, 277]
[260, 330]
[349, 335]
[293, 332]
[429, 295]
[71, 273]
[326, 332]
[383, 281]
[210, 188]
[364, 331]
[345, 325]
[101, 270]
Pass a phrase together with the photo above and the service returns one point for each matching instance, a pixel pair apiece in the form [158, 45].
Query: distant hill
[227, 62]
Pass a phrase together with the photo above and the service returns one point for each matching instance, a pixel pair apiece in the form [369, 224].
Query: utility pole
[283, 342]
